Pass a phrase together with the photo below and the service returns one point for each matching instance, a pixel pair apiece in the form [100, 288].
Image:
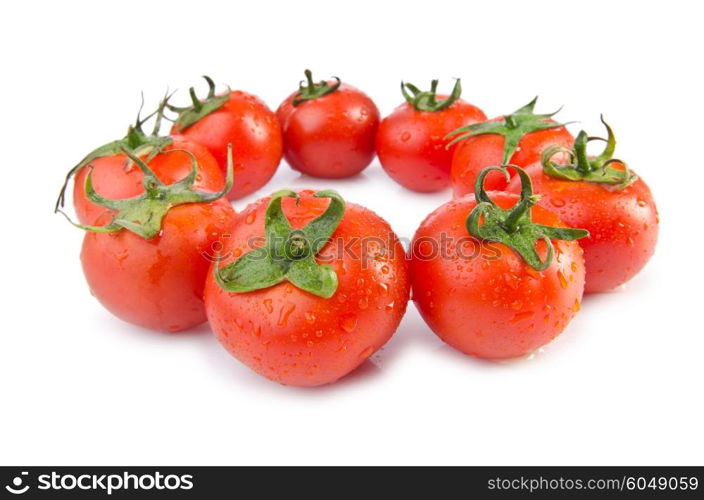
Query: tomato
[411, 141]
[328, 129]
[153, 273]
[516, 139]
[308, 331]
[240, 119]
[622, 221]
[482, 296]
[116, 178]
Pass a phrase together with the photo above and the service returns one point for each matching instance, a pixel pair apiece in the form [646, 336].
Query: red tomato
[623, 223]
[490, 149]
[243, 120]
[482, 297]
[411, 141]
[158, 283]
[295, 337]
[329, 133]
[113, 179]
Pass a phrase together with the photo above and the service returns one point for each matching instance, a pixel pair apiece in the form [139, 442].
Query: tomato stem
[515, 227]
[427, 100]
[513, 127]
[198, 109]
[580, 167]
[288, 254]
[135, 140]
[143, 214]
[314, 90]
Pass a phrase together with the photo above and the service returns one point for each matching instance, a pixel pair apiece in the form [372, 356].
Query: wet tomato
[493, 276]
[147, 258]
[240, 119]
[601, 195]
[329, 129]
[307, 290]
[411, 141]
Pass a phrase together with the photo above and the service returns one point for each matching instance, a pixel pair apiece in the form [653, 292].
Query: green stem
[515, 227]
[581, 168]
[289, 254]
[314, 90]
[427, 100]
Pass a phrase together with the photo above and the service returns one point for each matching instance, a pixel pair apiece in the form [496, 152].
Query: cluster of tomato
[303, 286]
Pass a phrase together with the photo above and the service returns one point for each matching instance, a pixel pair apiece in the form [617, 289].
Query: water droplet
[250, 218]
[367, 352]
[284, 313]
[390, 306]
[405, 136]
[385, 269]
[521, 316]
[512, 280]
[363, 303]
[557, 202]
[561, 277]
[268, 306]
[576, 307]
[383, 289]
[574, 267]
[642, 203]
[310, 317]
[348, 323]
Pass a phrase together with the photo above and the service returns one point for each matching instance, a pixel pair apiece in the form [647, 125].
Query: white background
[623, 384]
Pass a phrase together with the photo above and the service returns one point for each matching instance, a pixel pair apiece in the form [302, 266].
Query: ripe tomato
[334, 307]
[484, 297]
[411, 141]
[240, 119]
[147, 264]
[614, 205]
[117, 178]
[329, 129]
[518, 139]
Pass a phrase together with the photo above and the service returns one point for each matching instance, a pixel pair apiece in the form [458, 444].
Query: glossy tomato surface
[623, 224]
[113, 179]
[482, 298]
[158, 283]
[297, 338]
[481, 151]
[331, 136]
[247, 123]
[411, 144]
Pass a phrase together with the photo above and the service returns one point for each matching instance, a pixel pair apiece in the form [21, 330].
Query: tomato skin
[331, 136]
[481, 151]
[113, 180]
[411, 144]
[295, 338]
[623, 224]
[158, 283]
[486, 306]
[246, 122]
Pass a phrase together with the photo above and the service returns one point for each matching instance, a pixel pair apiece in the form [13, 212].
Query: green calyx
[581, 167]
[288, 254]
[143, 214]
[515, 227]
[513, 127]
[427, 100]
[199, 109]
[136, 141]
[314, 90]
